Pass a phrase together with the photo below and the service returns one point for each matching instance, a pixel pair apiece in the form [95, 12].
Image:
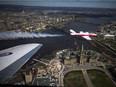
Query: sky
[64, 3]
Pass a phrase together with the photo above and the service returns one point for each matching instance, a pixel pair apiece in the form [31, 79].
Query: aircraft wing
[87, 37]
[12, 59]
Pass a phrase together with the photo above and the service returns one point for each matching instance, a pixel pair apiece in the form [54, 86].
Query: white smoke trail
[14, 35]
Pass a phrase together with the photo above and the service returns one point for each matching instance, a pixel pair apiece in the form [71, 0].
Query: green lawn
[74, 79]
[100, 79]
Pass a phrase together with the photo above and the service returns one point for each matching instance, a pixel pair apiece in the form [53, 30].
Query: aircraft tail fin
[72, 31]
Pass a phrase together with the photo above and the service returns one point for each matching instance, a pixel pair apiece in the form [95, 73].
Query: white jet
[85, 35]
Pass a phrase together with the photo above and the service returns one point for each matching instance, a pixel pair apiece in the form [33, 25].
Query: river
[51, 44]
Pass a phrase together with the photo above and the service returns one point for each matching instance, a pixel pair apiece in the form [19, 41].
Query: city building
[88, 56]
[41, 72]
[83, 59]
[93, 60]
[28, 76]
[109, 36]
[70, 61]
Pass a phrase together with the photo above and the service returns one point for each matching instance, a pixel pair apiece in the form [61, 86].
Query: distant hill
[78, 9]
